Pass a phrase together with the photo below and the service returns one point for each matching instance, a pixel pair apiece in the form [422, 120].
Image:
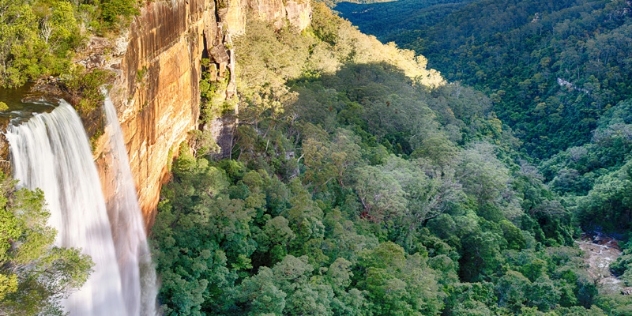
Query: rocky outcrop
[157, 90]
[299, 14]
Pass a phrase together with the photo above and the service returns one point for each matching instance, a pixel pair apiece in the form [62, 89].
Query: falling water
[51, 152]
[137, 273]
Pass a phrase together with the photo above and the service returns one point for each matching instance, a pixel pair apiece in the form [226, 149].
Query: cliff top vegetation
[40, 37]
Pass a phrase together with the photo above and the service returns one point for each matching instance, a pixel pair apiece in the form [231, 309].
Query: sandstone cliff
[157, 90]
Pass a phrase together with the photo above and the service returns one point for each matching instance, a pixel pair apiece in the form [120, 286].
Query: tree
[382, 197]
[20, 43]
[428, 195]
[512, 289]
[203, 237]
[480, 255]
[34, 274]
[288, 288]
[484, 179]
[608, 204]
[437, 148]
[261, 296]
[543, 294]
[397, 283]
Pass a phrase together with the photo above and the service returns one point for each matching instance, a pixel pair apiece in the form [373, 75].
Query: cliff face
[157, 91]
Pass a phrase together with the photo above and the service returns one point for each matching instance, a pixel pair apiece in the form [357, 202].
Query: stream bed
[600, 252]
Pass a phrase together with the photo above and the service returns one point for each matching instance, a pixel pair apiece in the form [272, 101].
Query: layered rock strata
[157, 91]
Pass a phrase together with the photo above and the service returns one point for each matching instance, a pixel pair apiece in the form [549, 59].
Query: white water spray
[137, 272]
[51, 152]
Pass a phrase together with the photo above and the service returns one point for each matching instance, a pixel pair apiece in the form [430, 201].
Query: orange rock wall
[157, 91]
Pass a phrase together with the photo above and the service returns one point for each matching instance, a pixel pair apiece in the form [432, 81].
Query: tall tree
[34, 274]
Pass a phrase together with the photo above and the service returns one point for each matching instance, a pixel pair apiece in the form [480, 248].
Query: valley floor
[600, 253]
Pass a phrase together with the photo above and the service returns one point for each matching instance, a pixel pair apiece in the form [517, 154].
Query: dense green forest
[361, 183]
[557, 73]
[551, 68]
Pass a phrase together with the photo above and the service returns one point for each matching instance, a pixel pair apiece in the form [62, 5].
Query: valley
[282, 162]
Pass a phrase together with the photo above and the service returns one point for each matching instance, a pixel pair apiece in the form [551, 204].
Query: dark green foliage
[558, 74]
[358, 190]
[596, 175]
[615, 304]
[206, 221]
[551, 68]
[39, 37]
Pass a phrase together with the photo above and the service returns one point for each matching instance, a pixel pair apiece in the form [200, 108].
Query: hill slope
[360, 183]
[551, 68]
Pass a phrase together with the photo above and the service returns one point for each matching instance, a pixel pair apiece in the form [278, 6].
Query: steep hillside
[358, 182]
[390, 20]
[157, 88]
[559, 74]
[551, 68]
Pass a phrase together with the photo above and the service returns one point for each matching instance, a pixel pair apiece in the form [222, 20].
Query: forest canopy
[357, 185]
[551, 68]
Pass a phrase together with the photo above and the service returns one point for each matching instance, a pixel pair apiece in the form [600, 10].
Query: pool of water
[19, 110]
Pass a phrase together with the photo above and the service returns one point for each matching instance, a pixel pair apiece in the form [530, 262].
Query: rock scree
[601, 251]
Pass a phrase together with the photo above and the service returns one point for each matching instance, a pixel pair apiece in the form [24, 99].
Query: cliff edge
[157, 93]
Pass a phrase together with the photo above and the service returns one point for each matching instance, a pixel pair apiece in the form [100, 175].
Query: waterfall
[137, 272]
[51, 152]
